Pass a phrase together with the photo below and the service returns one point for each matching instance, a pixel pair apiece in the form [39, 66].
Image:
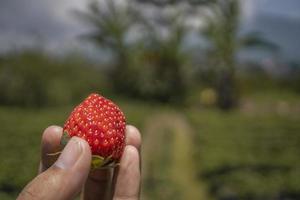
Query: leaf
[97, 162]
[65, 139]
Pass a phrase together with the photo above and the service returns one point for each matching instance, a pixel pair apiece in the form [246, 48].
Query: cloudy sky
[50, 22]
[23, 22]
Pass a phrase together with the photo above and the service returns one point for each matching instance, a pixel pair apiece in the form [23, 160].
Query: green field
[188, 152]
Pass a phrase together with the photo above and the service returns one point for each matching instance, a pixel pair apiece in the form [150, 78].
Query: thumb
[65, 178]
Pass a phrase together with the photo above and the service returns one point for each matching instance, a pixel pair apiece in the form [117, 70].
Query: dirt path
[168, 166]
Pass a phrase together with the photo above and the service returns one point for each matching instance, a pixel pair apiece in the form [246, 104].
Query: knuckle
[28, 192]
[38, 187]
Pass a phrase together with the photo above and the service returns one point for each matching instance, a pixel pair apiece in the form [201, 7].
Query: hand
[64, 177]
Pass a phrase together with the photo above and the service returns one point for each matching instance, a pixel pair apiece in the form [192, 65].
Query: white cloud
[248, 8]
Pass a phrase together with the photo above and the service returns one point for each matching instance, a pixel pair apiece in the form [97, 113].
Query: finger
[50, 144]
[65, 178]
[100, 182]
[128, 180]
[133, 137]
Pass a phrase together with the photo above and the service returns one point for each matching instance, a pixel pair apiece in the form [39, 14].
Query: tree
[110, 25]
[149, 68]
[221, 31]
[164, 61]
[167, 57]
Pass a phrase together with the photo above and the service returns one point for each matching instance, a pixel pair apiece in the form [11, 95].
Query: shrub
[31, 78]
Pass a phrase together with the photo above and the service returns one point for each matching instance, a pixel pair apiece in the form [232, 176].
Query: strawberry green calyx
[98, 162]
[65, 139]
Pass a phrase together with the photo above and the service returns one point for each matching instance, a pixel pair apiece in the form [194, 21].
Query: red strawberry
[102, 124]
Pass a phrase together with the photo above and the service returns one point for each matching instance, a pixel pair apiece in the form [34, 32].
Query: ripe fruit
[102, 124]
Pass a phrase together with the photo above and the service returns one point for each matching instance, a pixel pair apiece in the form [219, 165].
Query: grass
[243, 154]
[246, 156]
[21, 130]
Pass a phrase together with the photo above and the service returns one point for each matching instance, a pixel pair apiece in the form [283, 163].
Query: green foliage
[249, 156]
[292, 81]
[110, 24]
[221, 31]
[238, 155]
[150, 67]
[154, 65]
[31, 78]
[162, 63]
[170, 2]
[21, 131]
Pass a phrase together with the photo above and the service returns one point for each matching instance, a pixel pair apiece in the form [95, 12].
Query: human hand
[64, 177]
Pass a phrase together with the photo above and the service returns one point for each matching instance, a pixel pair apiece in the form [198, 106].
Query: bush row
[35, 79]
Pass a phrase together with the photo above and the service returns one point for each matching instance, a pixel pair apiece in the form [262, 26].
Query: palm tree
[110, 25]
[164, 58]
[150, 68]
[221, 31]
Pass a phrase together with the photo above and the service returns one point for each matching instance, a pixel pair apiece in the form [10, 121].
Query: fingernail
[70, 154]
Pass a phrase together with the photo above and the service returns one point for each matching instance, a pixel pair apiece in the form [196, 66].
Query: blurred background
[213, 85]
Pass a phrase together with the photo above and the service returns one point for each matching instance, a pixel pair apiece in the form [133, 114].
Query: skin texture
[68, 175]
